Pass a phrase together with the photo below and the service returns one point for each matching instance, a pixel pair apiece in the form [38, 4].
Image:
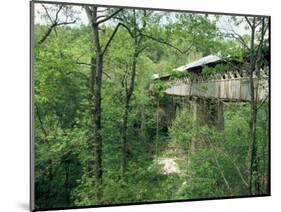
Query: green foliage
[218, 69]
[158, 88]
[213, 155]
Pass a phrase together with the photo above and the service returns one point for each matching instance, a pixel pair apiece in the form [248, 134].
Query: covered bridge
[230, 86]
[207, 94]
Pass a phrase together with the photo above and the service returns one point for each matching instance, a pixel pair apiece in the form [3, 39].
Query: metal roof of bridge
[202, 61]
[208, 60]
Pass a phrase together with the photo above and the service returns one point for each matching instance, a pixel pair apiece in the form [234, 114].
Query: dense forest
[107, 133]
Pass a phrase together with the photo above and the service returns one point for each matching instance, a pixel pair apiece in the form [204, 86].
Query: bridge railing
[233, 86]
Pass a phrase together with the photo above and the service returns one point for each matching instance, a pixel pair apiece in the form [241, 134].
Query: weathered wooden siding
[230, 87]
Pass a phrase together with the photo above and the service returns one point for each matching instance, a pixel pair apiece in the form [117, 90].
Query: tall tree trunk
[96, 113]
[124, 127]
[129, 93]
[253, 148]
[255, 65]
[96, 82]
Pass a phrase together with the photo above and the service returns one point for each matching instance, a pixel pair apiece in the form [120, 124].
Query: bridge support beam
[208, 112]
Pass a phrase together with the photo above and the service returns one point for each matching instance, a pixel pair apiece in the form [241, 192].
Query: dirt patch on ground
[169, 166]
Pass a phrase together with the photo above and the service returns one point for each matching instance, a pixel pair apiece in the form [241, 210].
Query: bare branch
[66, 23]
[47, 34]
[188, 48]
[111, 38]
[249, 22]
[128, 29]
[261, 104]
[106, 74]
[113, 34]
[230, 32]
[47, 13]
[57, 13]
[55, 23]
[141, 50]
[83, 63]
[88, 64]
[118, 18]
[163, 42]
[239, 38]
[101, 16]
[144, 20]
[109, 17]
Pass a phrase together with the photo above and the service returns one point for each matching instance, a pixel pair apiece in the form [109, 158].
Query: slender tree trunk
[123, 138]
[50, 180]
[157, 129]
[255, 64]
[129, 93]
[124, 127]
[96, 113]
[266, 161]
[96, 82]
[261, 185]
[66, 183]
[38, 114]
[253, 148]
[142, 132]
